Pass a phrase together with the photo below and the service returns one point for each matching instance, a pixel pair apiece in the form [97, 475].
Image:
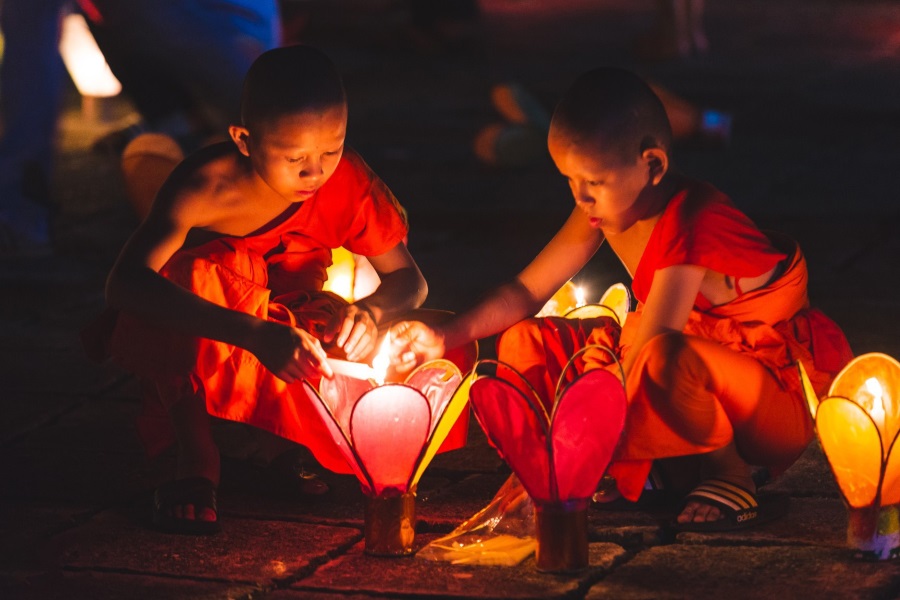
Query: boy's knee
[523, 335]
[667, 354]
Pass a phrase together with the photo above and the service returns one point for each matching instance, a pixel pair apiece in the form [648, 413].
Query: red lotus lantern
[559, 458]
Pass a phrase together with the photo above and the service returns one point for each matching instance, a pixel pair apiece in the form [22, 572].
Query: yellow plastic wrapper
[500, 534]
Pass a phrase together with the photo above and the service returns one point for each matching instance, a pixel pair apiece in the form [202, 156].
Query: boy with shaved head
[218, 293]
[723, 316]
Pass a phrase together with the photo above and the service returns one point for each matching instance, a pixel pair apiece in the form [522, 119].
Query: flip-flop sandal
[197, 491]
[740, 507]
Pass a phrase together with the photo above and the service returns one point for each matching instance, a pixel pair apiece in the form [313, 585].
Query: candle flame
[873, 387]
[382, 360]
[580, 297]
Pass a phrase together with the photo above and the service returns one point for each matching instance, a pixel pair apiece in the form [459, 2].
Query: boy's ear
[657, 161]
[241, 138]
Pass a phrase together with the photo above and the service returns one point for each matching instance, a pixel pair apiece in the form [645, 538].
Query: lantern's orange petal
[852, 445]
[890, 486]
[445, 422]
[812, 399]
[591, 311]
[854, 375]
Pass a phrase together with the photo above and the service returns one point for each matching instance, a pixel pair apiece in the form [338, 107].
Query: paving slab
[357, 572]
[66, 585]
[703, 572]
[249, 551]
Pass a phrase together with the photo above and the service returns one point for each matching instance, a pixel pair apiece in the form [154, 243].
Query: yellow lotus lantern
[570, 302]
[858, 425]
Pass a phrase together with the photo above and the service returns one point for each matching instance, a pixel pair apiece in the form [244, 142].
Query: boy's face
[609, 189]
[296, 154]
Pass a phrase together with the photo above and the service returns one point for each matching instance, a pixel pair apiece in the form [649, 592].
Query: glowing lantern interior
[858, 427]
[389, 433]
[558, 457]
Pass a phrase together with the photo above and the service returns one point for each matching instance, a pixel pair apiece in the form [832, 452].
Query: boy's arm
[561, 259]
[135, 285]
[669, 304]
[402, 289]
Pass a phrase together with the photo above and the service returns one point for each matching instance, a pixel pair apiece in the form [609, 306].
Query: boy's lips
[304, 193]
[595, 222]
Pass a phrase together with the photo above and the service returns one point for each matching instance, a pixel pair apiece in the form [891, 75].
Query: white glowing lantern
[84, 61]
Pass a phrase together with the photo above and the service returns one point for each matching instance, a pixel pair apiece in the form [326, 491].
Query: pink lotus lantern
[388, 433]
[858, 425]
[559, 458]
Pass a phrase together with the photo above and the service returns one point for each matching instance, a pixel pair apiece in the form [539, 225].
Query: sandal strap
[730, 496]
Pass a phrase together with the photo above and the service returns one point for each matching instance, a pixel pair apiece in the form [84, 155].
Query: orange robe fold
[276, 274]
[735, 376]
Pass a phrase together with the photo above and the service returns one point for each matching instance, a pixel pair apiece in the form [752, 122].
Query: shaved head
[287, 81]
[614, 110]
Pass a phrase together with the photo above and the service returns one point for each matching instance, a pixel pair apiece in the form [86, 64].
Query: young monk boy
[723, 315]
[219, 290]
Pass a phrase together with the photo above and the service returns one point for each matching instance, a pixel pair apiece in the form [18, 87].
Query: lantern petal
[617, 297]
[586, 426]
[864, 366]
[852, 444]
[445, 421]
[338, 434]
[516, 429]
[854, 380]
[340, 394]
[388, 428]
[591, 311]
[812, 399]
[437, 380]
[890, 486]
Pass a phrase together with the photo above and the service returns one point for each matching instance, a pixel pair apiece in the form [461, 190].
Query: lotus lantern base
[562, 536]
[390, 524]
[873, 533]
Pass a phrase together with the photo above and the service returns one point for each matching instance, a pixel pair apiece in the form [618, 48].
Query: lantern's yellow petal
[812, 399]
[451, 413]
[852, 445]
[890, 486]
[590, 311]
[564, 300]
[618, 298]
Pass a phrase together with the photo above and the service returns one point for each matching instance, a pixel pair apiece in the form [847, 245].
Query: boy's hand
[353, 330]
[290, 353]
[413, 343]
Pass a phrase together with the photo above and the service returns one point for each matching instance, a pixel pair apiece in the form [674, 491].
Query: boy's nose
[312, 170]
[582, 197]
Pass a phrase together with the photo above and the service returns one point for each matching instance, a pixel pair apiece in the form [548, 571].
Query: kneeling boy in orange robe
[710, 354]
[218, 293]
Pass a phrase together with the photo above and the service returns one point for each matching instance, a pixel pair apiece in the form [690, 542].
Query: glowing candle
[873, 388]
[579, 297]
[382, 360]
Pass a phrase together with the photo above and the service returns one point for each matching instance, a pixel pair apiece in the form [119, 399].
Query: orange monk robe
[737, 361]
[275, 273]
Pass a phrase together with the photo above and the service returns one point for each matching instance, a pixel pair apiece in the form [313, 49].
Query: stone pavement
[813, 87]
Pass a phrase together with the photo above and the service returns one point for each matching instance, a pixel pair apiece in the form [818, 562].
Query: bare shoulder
[201, 189]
